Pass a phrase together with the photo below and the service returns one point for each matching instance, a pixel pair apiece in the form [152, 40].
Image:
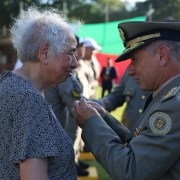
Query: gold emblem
[121, 33]
[159, 123]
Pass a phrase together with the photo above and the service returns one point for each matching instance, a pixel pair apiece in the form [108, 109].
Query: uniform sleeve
[116, 126]
[33, 132]
[148, 156]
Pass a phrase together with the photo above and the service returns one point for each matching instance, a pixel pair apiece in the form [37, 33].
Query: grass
[102, 174]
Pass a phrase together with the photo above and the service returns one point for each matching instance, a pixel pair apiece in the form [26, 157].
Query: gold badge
[121, 33]
[160, 123]
[75, 94]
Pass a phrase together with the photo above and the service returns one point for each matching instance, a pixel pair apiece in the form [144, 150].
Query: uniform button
[143, 97]
[127, 98]
[140, 110]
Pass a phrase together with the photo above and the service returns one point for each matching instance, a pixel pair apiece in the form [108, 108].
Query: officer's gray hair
[174, 47]
[34, 27]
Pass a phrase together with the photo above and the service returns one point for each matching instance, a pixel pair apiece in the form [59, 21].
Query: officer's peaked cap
[137, 34]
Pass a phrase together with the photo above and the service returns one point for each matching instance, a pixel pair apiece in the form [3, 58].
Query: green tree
[163, 9]
[10, 8]
[89, 11]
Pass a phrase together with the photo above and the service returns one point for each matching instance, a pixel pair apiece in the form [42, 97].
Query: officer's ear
[163, 52]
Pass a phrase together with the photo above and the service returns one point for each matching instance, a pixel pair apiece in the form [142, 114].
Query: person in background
[108, 74]
[61, 98]
[81, 71]
[93, 71]
[33, 143]
[151, 149]
[127, 91]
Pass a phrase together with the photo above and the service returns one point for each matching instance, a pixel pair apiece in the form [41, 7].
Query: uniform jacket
[154, 154]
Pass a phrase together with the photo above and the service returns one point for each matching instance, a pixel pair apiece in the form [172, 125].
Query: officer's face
[145, 69]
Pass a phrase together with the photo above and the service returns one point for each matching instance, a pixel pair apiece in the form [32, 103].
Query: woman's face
[60, 67]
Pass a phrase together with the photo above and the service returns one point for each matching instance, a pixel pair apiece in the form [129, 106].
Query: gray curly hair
[34, 27]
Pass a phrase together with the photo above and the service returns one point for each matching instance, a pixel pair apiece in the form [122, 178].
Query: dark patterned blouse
[29, 129]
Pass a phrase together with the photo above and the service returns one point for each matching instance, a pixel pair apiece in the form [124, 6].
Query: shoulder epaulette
[171, 93]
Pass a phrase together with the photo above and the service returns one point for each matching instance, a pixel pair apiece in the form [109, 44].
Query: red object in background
[120, 66]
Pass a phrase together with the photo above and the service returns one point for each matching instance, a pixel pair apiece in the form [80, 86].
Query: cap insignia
[160, 123]
[121, 33]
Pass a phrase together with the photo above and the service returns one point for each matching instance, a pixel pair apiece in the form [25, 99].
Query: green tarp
[106, 34]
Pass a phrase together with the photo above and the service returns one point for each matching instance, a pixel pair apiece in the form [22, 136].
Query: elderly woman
[33, 143]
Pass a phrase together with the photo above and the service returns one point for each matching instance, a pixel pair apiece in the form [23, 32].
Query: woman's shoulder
[17, 87]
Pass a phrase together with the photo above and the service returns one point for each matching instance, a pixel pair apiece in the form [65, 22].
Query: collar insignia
[171, 93]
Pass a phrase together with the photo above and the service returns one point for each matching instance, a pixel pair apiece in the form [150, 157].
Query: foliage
[10, 9]
[93, 11]
[163, 9]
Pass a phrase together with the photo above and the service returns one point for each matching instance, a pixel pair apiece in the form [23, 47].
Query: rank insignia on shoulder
[75, 94]
[160, 123]
[171, 93]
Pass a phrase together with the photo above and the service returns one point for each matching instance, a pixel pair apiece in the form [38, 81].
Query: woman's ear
[163, 55]
[43, 53]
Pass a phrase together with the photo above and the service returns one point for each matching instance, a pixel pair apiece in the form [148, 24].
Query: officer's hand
[98, 107]
[82, 111]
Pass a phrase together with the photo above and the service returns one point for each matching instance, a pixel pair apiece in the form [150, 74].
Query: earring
[46, 62]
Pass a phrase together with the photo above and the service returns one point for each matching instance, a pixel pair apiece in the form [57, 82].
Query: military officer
[127, 91]
[151, 149]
